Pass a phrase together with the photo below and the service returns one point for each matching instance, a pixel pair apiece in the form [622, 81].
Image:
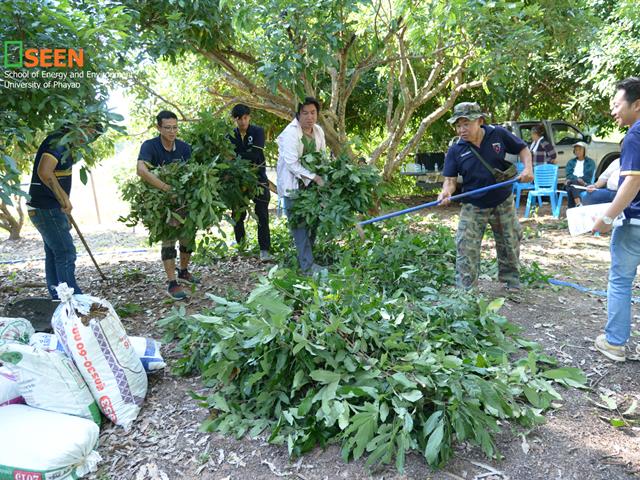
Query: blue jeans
[60, 253]
[601, 195]
[303, 238]
[625, 258]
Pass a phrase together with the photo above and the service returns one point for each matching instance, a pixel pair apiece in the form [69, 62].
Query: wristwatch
[607, 220]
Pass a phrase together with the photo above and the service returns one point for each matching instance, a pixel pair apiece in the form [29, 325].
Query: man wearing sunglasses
[159, 151]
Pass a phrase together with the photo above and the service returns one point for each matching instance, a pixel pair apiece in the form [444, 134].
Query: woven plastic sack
[49, 380]
[9, 393]
[147, 349]
[36, 444]
[15, 329]
[92, 334]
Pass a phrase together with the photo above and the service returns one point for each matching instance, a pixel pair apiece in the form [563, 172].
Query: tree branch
[157, 95]
[390, 89]
[426, 122]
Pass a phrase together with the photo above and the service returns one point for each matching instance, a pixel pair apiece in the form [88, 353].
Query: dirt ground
[577, 441]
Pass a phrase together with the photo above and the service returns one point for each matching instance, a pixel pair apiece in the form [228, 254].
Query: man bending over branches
[49, 206]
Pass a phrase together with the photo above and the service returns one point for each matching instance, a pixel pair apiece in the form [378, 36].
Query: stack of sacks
[65, 380]
[56, 433]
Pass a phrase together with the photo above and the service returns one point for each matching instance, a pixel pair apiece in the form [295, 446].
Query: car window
[525, 133]
[564, 134]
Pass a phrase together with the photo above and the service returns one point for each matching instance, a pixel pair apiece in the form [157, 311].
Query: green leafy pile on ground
[350, 190]
[375, 356]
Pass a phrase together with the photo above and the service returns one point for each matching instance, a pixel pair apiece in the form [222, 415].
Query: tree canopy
[30, 106]
[385, 71]
[394, 67]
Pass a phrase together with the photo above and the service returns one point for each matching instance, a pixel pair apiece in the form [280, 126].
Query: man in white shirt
[291, 172]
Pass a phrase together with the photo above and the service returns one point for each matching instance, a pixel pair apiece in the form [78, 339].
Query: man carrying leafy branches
[49, 206]
[301, 137]
[159, 151]
[248, 143]
[479, 156]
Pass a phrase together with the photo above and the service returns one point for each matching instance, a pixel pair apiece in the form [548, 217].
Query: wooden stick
[86, 246]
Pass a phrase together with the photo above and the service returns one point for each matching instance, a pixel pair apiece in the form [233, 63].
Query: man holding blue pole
[479, 157]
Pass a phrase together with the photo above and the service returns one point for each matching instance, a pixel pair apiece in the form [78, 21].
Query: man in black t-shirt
[248, 142]
[49, 205]
[158, 151]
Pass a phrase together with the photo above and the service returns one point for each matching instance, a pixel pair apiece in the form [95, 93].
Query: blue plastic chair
[545, 179]
[519, 187]
[562, 194]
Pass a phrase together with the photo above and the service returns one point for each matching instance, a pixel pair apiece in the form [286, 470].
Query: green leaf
[451, 361]
[83, 175]
[570, 376]
[325, 376]
[434, 444]
[433, 421]
[412, 396]
[495, 305]
[616, 422]
[384, 411]
[402, 379]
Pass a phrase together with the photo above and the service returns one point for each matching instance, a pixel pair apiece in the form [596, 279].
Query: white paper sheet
[582, 219]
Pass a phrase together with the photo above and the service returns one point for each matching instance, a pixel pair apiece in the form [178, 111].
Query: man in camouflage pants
[480, 148]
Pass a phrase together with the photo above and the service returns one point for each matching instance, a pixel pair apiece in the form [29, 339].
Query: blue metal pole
[436, 202]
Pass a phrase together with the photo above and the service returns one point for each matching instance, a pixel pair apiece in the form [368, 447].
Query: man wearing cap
[476, 156]
[625, 240]
[580, 171]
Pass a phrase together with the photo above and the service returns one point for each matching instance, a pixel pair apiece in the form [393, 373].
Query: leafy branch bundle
[349, 190]
[381, 370]
[193, 203]
[210, 143]
[202, 189]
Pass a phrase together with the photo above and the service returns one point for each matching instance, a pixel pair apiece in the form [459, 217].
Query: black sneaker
[176, 291]
[184, 276]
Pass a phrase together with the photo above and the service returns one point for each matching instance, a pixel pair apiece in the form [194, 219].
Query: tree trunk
[12, 220]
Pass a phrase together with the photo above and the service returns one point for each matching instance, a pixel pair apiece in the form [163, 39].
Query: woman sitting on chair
[580, 170]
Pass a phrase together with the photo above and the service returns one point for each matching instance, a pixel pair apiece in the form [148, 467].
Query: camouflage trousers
[507, 233]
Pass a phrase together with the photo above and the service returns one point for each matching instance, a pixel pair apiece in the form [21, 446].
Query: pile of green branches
[379, 355]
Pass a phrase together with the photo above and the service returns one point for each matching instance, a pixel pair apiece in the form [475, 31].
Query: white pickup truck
[563, 136]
